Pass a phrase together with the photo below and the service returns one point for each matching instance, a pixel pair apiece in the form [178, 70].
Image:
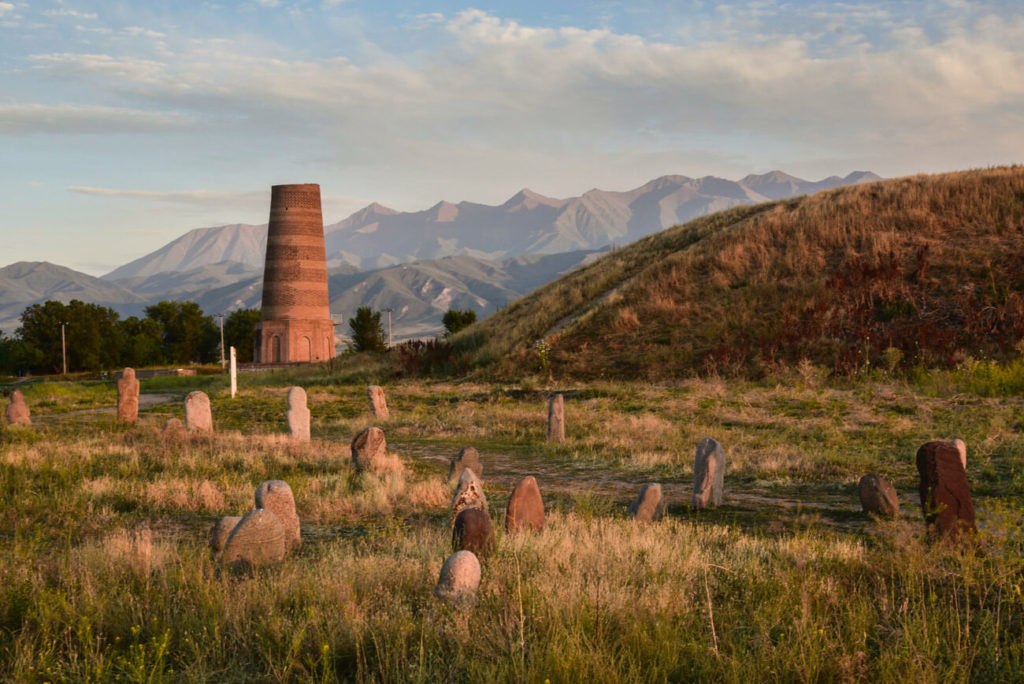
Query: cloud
[29, 118]
[139, 31]
[70, 13]
[6, 7]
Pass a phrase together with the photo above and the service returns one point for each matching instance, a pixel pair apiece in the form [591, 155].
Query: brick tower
[296, 321]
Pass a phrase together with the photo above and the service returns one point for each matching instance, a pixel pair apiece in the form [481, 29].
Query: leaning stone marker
[468, 494]
[525, 507]
[258, 539]
[298, 414]
[17, 412]
[473, 532]
[459, 578]
[556, 419]
[276, 496]
[877, 496]
[222, 530]
[708, 474]
[945, 494]
[468, 458]
[197, 412]
[649, 505]
[128, 397]
[377, 402]
[368, 447]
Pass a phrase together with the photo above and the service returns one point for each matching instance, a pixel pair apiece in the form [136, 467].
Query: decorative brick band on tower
[296, 321]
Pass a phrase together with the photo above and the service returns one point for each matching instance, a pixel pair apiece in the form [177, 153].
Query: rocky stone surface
[276, 496]
[128, 397]
[258, 539]
[649, 505]
[378, 404]
[556, 419]
[198, 417]
[468, 458]
[525, 507]
[945, 494]
[174, 429]
[298, 414]
[877, 496]
[459, 578]
[222, 530]
[473, 532]
[708, 474]
[468, 494]
[17, 412]
[961, 448]
[368, 447]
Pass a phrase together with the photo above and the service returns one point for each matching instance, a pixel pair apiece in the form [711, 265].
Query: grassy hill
[924, 270]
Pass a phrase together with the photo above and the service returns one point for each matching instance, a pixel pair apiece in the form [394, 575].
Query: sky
[123, 125]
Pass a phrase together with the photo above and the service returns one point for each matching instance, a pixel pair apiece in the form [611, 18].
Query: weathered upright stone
[961, 448]
[128, 397]
[17, 412]
[473, 532]
[878, 497]
[174, 429]
[649, 505]
[459, 578]
[468, 458]
[221, 531]
[378, 404]
[276, 496]
[368, 447]
[525, 507]
[468, 494]
[197, 412]
[708, 474]
[556, 419]
[298, 414]
[945, 493]
[258, 539]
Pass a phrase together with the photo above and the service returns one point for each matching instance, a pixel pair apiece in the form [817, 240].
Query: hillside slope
[930, 265]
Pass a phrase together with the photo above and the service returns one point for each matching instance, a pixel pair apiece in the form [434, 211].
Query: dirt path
[145, 401]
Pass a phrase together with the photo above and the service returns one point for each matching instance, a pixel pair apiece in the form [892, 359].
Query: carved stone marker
[468, 458]
[368, 447]
[197, 412]
[233, 365]
[128, 397]
[221, 531]
[468, 494]
[174, 429]
[276, 496]
[17, 412]
[525, 507]
[257, 539]
[961, 448]
[649, 505]
[473, 532]
[877, 496]
[945, 494]
[298, 414]
[459, 578]
[556, 419]
[708, 474]
[378, 404]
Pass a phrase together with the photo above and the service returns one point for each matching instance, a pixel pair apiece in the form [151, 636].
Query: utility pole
[63, 347]
[222, 362]
[389, 310]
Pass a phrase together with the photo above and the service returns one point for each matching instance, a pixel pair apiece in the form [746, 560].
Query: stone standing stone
[525, 507]
[378, 404]
[556, 419]
[298, 414]
[257, 539]
[197, 412]
[17, 412]
[174, 429]
[276, 496]
[708, 474]
[128, 397]
[468, 494]
[473, 532]
[468, 458]
[877, 496]
[649, 505]
[961, 448]
[459, 579]
[368, 447]
[222, 530]
[945, 493]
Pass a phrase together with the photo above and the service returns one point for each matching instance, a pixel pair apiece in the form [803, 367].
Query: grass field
[106, 574]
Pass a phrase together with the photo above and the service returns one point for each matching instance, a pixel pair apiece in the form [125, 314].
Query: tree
[142, 342]
[93, 335]
[455, 320]
[367, 332]
[187, 336]
[240, 332]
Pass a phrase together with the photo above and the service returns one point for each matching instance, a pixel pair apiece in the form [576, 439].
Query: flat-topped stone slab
[474, 532]
[198, 417]
[378, 404]
[945, 494]
[298, 415]
[708, 474]
[127, 397]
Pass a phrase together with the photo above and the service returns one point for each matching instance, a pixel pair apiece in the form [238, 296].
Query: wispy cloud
[28, 118]
[6, 7]
[69, 13]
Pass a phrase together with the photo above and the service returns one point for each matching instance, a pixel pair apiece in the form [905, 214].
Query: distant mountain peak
[529, 199]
